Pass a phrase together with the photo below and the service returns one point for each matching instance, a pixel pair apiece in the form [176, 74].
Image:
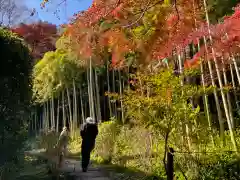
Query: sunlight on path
[73, 167]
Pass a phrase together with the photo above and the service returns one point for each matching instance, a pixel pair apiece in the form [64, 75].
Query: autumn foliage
[156, 22]
[156, 29]
[40, 36]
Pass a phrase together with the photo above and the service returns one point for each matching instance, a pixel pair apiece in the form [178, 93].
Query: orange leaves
[91, 39]
[161, 34]
[99, 9]
[172, 19]
[117, 12]
[193, 63]
[118, 44]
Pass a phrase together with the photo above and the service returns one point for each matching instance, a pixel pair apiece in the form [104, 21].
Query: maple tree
[40, 36]
[153, 28]
[159, 27]
[225, 37]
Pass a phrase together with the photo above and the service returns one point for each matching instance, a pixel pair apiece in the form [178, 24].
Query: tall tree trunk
[121, 96]
[75, 109]
[70, 111]
[35, 122]
[114, 90]
[228, 95]
[44, 119]
[82, 105]
[220, 83]
[108, 86]
[205, 96]
[89, 93]
[219, 112]
[99, 116]
[186, 128]
[90, 85]
[63, 108]
[57, 123]
[53, 115]
[48, 118]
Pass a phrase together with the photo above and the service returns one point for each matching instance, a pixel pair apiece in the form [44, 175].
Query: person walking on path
[89, 132]
[62, 145]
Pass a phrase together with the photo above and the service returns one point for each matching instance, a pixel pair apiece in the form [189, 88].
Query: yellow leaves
[167, 2]
[138, 31]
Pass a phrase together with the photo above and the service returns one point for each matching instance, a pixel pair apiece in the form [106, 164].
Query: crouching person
[89, 132]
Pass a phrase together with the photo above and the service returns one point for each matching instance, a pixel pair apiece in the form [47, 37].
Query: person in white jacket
[62, 145]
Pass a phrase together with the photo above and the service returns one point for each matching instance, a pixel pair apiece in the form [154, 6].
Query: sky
[64, 11]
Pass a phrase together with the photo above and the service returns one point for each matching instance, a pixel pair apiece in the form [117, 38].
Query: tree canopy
[40, 36]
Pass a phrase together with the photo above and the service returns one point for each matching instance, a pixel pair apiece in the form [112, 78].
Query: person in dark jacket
[89, 132]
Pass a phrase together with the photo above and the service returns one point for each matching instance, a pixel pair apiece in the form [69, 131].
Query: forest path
[72, 167]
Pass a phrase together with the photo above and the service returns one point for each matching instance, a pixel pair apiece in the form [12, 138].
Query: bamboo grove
[112, 46]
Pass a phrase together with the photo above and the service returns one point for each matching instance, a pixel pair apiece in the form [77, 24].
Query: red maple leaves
[40, 36]
[225, 36]
[175, 28]
[179, 24]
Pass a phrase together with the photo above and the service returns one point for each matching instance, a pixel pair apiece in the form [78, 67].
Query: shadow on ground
[119, 172]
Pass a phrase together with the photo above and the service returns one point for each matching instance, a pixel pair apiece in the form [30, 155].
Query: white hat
[90, 120]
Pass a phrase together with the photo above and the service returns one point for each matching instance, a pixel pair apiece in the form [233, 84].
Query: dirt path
[94, 172]
[73, 168]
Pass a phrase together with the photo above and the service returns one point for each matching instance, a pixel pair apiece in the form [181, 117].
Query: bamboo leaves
[53, 73]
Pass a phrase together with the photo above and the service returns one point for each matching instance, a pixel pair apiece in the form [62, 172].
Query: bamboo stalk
[98, 107]
[70, 111]
[75, 107]
[186, 128]
[121, 97]
[228, 95]
[82, 106]
[220, 81]
[63, 109]
[108, 86]
[219, 112]
[205, 96]
[57, 127]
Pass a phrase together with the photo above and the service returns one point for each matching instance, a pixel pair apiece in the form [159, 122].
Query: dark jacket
[89, 133]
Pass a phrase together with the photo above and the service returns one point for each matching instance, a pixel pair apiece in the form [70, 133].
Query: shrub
[105, 141]
[15, 95]
[131, 147]
[223, 166]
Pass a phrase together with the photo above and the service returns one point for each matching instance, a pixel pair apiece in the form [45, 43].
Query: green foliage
[131, 147]
[224, 166]
[220, 8]
[107, 133]
[53, 73]
[161, 101]
[141, 149]
[15, 95]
